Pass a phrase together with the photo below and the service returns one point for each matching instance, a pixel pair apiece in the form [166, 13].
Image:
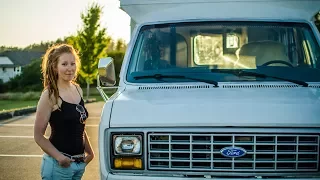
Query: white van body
[201, 117]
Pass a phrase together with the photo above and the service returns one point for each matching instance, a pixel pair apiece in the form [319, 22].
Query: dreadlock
[49, 66]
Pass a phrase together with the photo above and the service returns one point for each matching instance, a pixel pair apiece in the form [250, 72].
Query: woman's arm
[43, 113]
[87, 145]
[88, 149]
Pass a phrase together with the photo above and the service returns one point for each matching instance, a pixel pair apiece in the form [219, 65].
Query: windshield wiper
[260, 75]
[161, 76]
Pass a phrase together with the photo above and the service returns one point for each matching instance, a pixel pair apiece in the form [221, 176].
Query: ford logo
[233, 152]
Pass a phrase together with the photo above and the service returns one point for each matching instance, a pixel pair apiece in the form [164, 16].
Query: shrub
[30, 96]
[20, 96]
[2, 86]
[29, 79]
[118, 59]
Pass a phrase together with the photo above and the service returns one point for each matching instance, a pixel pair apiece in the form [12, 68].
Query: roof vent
[260, 86]
[226, 86]
[314, 86]
[177, 87]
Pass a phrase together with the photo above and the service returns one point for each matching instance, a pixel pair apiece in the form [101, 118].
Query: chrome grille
[265, 152]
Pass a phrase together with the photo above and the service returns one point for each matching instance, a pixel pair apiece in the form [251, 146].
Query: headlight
[127, 144]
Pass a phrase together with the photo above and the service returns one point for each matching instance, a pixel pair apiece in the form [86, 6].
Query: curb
[17, 112]
[24, 111]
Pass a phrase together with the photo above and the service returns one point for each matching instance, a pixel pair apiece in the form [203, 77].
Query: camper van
[214, 89]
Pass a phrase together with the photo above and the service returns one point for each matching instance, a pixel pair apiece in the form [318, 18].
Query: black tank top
[67, 132]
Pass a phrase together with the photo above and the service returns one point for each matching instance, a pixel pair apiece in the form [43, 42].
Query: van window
[287, 48]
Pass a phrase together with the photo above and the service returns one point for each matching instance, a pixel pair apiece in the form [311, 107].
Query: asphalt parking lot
[20, 156]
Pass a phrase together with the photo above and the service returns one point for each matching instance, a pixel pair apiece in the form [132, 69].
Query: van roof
[142, 11]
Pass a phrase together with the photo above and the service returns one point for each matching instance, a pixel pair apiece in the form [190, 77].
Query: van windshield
[211, 50]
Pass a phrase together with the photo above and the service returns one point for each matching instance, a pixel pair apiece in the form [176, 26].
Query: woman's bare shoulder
[45, 95]
[47, 99]
[79, 89]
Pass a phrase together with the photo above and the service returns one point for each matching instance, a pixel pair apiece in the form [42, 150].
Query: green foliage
[9, 48]
[118, 59]
[43, 46]
[10, 105]
[28, 80]
[120, 45]
[117, 45]
[39, 47]
[20, 96]
[92, 42]
[2, 86]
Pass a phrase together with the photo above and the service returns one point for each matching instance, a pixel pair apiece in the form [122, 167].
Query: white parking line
[28, 125]
[16, 136]
[19, 155]
[33, 116]
[22, 125]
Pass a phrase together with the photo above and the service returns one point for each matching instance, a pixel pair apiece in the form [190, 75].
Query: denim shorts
[51, 170]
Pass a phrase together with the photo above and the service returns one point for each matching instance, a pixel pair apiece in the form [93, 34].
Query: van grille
[265, 152]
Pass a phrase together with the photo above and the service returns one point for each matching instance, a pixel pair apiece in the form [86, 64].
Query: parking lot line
[28, 125]
[16, 136]
[19, 155]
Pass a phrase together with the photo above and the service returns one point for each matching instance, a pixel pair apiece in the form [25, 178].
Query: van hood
[217, 107]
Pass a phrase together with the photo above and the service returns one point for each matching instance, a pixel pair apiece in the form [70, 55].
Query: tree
[43, 46]
[120, 45]
[28, 80]
[9, 48]
[117, 56]
[92, 42]
[111, 46]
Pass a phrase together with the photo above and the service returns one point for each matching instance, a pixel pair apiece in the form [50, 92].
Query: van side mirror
[106, 71]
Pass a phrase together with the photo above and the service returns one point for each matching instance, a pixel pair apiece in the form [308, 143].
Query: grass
[9, 104]
[94, 93]
[10, 101]
[19, 96]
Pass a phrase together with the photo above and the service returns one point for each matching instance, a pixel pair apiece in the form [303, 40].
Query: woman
[68, 150]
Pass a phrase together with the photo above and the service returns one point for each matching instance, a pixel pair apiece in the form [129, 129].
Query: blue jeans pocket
[46, 167]
[84, 165]
[62, 173]
[51, 170]
[42, 167]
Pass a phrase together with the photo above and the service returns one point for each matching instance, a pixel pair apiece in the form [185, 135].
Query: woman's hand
[64, 161]
[88, 158]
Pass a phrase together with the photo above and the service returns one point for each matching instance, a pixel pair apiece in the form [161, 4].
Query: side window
[311, 48]
[160, 50]
[137, 54]
[173, 49]
[157, 51]
[303, 49]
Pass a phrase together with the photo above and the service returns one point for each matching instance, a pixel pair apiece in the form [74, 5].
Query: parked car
[224, 89]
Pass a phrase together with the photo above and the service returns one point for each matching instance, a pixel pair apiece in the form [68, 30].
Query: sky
[24, 22]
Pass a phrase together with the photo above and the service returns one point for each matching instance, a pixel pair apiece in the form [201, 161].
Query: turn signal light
[128, 163]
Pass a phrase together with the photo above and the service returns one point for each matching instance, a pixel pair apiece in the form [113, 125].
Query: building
[11, 62]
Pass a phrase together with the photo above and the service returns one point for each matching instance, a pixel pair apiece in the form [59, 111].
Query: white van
[214, 89]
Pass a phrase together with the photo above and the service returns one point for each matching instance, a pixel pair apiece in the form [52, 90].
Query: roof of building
[5, 61]
[21, 58]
